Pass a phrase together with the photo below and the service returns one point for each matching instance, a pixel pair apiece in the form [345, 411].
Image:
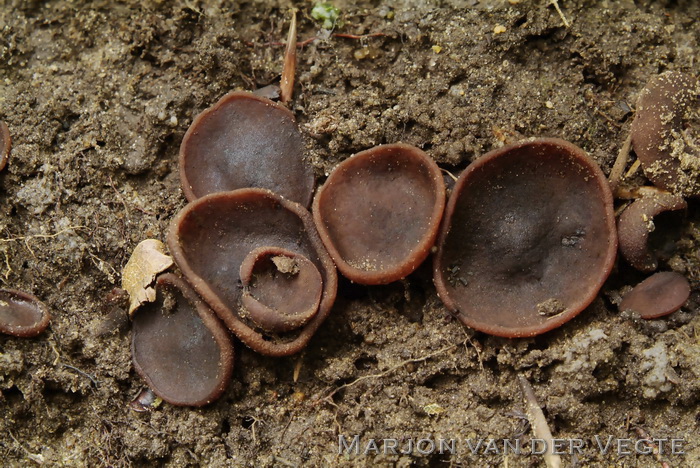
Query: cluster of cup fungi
[524, 243]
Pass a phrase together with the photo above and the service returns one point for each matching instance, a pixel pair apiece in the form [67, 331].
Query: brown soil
[98, 96]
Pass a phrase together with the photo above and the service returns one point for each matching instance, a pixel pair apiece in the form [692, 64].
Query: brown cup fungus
[22, 314]
[281, 289]
[379, 212]
[179, 346]
[240, 250]
[528, 238]
[667, 109]
[245, 141]
[661, 294]
[636, 224]
[5, 144]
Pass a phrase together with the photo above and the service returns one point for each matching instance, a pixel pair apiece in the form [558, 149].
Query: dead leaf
[147, 260]
[433, 409]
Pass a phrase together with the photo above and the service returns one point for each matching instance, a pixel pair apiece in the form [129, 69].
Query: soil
[98, 96]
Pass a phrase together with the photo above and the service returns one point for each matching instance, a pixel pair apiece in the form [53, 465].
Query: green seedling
[327, 13]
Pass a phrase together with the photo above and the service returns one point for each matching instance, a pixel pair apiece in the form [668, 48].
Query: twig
[35, 457]
[290, 62]
[7, 264]
[297, 368]
[452, 176]
[359, 36]
[633, 168]
[555, 4]
[620, 163]
[538, 422]
[252, 427]
[305, 42]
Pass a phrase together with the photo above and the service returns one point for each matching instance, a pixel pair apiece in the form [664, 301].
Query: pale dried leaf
[433, 409]
[147, 260]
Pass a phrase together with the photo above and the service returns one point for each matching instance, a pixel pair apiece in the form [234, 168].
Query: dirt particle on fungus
[550, 307]
[286, 265]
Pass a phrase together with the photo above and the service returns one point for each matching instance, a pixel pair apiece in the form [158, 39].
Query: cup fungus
[379, 212]
[5, 144]
[637, 222]
[669, 156]
[281, 289]
[179, 346]
[224, 243]
[661, 294]
[528, 238]
[22, 314]
[245, 141]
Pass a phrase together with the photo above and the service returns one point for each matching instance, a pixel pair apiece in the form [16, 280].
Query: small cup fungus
[22, 314]
[669, 156]
[379, 212]
[224, 243]
[637, 222]
[661, 294]
[5, 144]
[244, 141]
[281, 289]
[179, 346]
[528, 238]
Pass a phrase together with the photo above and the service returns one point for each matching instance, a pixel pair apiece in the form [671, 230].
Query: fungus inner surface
[661, 294]
[379, 211]
[180, 347]
[528, 240]
[22, 314]
[245, 141]
[281, 289]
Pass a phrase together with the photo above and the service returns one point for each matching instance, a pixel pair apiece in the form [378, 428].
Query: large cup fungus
[528, 238]
[669, 156]
[239, 250]
[179, 346]
[379, 212]
[245, 141]
[22, 314]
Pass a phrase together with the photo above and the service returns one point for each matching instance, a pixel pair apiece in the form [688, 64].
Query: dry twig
[538, 422]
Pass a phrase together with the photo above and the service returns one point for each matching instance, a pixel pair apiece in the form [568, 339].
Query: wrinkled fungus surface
[179, 346]
[5, 144]
[22, 314]
[281, 289]
[636, 223]
[528, 238]
[661, 294]
[245, 141]
[212, 237]
[379, 212]
[662, 133]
